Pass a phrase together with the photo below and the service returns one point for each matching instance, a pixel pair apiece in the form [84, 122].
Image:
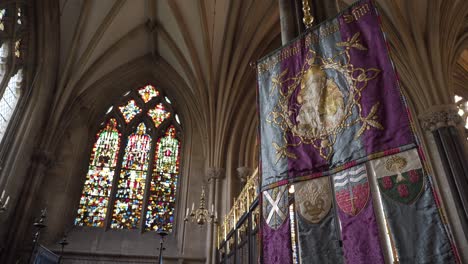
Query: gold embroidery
[321, 112]
[357, 13]
[396, 164]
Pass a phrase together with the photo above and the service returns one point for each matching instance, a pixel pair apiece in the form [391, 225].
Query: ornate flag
[359, 226]
[330, 101]
[276, 226]
[317, 232]
[413, 217]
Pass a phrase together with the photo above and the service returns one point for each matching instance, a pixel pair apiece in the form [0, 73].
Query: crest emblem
[313, 199]
[275, 206]
[352, 189]
[400, 176]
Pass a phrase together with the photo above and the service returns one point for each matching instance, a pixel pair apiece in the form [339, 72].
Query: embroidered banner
[413, 217]
[276, 229]
[329, 99]
[328, 102]
[317, 232]
[359, 232]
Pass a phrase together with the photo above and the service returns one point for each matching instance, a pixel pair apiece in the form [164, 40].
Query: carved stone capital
[243, 173]
[215, 173]
[440, 116]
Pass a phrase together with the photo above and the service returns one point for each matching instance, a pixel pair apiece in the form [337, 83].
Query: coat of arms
[313, 199]
[352, 189]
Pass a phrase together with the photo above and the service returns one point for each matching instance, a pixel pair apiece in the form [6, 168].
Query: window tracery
[12, 42]
[150, 155]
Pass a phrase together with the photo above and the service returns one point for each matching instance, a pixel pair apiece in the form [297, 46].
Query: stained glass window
[141, 162]
[130, 110]
[131, 186]
[96, 191]
[12, 39]
[160, 209]
[148, 92]
[158, 114]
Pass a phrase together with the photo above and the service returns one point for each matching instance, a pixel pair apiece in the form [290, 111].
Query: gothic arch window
[12, 52]
[134, 165]
[462, 104]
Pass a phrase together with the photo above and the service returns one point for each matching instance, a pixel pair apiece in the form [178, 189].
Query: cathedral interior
[125, 118]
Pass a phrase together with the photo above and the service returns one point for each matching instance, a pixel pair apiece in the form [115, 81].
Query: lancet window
[134, 165]
[13, 41]
[462, 104]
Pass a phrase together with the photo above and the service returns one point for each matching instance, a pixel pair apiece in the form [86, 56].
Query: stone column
[288, 19]
[214, 175]
[442, 122]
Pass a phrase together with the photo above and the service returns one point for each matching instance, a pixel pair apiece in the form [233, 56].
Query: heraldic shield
[313, 199]
[400, 176]
[352, 189]
[275, 206]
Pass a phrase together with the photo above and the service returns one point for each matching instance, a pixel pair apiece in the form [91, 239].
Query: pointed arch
[160, 209]
[98, 185]
[146, 168]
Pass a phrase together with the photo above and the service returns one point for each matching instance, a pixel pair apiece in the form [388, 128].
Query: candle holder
[201, 215]
[162, 234]
[63, 243]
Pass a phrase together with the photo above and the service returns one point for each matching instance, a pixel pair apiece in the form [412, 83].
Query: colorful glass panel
[130, 110]
[158, 114]
[148, 92]
[160, 210]
[96, 191]
[131, 185]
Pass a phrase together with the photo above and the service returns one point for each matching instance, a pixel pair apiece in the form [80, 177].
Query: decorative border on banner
[422, 156]
[308, 176]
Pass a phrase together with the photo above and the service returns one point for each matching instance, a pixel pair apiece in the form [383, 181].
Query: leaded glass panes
[148, 92]
[158, 114]
[131, 186]
[131, 165]
[9, 100]
[96, 191]
[160, 209]
[130, 110]
[2, 15]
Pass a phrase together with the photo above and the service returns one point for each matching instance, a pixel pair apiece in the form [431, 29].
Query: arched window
[12, 53]
[139, 143]
[462, 104]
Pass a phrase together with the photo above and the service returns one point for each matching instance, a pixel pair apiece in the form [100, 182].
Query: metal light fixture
[201, 215]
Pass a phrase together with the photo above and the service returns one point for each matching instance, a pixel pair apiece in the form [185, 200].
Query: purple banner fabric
[359, 229]
[329, 99]
[277, 244]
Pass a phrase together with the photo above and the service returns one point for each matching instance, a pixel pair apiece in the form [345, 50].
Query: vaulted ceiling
[208, 43]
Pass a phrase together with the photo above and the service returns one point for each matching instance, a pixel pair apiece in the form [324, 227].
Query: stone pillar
[287, 10]
[214, 175]
[442, 122]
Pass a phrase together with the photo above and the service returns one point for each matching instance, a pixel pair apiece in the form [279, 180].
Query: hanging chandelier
[201, 215]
